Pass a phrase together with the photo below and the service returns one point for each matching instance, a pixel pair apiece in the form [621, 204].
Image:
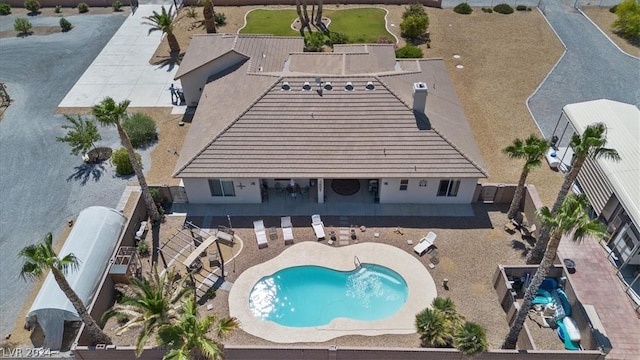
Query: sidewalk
[122, 70]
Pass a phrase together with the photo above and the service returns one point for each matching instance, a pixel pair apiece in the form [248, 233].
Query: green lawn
[360, 25]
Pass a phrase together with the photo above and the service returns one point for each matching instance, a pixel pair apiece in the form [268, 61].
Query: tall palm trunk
[538, 251]
[209, 17]
[318, 18]
[305, 13]
[137, 168]
[96, 334]
[517, 196]
[547, 262]
[173, 42]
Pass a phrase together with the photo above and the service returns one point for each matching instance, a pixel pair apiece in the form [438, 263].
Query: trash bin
[570, 265]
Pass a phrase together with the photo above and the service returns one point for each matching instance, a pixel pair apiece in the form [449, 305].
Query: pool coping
[421, 291]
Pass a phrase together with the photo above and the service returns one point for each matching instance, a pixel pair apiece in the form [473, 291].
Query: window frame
[404, 184]
[225, 188]
[451, 190]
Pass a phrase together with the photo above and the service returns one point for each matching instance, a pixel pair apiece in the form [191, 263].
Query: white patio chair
[425, 243]
[287, 229]
[318, 226]
[261, 234]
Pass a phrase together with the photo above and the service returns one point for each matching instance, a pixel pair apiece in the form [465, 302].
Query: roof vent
[286, 86]
[328, 86]
[370, 86]
[306, 86]
[348, 86]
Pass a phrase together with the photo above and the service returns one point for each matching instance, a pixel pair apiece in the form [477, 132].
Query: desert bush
[120, 158]
[414, 26]
[613, 9]
[463, 8]
[338, 38]
[65, 25]
[503, 9]
[487, 10]
[414, 9]
[315, 41]
[409, 52]
[143, 248]
[58, 9]
[22, 25]
[628, 22]
[5, 9]
[192, 13]
[122, 319]
[521, 8]
[117, 5]
[141, 129]
[220, 18]
[83, 8]
[32, 5]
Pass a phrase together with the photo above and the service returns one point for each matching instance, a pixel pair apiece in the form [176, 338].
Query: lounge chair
[287, 229]
[425, 243]
[261, 234]
[318, 226]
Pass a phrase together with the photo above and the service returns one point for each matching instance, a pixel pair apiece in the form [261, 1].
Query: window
[448, 187]
[404, 184]
[220, 187]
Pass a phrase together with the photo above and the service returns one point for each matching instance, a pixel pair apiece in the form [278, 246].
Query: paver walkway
[596, 283]
[122, 70]
[592, 68]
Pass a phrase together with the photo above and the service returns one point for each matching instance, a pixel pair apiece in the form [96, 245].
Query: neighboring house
[613, 187]
[270, 115]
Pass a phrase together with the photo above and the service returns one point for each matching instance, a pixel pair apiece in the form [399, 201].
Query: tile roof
[349, 59]
[254, 128]
[267, 53]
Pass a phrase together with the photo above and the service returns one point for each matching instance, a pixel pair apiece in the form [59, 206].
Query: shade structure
[92, 240]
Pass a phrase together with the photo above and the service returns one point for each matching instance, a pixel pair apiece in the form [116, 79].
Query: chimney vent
[420, 97]
[370, 86]
[328, 86]
[286, 86]
[348, 86]
[306, 86]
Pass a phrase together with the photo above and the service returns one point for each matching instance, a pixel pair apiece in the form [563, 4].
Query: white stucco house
[612, 187]
[270, 116]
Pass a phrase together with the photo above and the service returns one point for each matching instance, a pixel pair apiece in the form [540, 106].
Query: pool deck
[422, 290]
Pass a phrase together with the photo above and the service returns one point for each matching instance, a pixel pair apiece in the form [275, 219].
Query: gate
[488, 194]
[178, 194]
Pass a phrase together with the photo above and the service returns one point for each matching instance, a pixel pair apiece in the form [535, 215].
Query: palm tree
[110, 113]
[532, 150]
[470, 339]
[209, 16]
[433, 328]
[38, 258]
[571, 218]
[453, 320]
[81, 135]
[149, 303]
[188, 338]
[591, 144]
[164, 22]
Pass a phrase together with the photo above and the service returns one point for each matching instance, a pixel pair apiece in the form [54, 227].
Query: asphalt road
[41, 184]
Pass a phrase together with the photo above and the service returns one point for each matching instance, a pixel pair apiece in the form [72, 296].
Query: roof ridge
[231, 123]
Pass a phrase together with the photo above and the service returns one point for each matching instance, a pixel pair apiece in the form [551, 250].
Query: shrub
[409, 52]
[338, 38]
[83, 8]
[521, 8]
[65, 25]
[32, 5]
[463, 8]
[22, 25]
[141, 129]
[487, 10]
[503, 9]
[192, 13]
[117, 5]
[220, 18]
[628, 22]
[58, 9]
[414, 26]
[120, 158]
[613, 9]
[5, 9]
[414, 9]
[315, 41]
[122, 319]
[143, 248]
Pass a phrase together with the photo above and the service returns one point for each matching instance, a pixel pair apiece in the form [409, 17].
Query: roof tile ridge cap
[464, 155]
[204, 148]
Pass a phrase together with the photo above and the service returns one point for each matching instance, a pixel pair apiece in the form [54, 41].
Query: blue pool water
[304, 296]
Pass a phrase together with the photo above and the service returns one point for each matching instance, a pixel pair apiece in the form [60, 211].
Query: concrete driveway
[592, 68]
[41, 184]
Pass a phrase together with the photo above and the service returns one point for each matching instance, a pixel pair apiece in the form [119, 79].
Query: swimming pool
[304, 296]
[421, 290]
